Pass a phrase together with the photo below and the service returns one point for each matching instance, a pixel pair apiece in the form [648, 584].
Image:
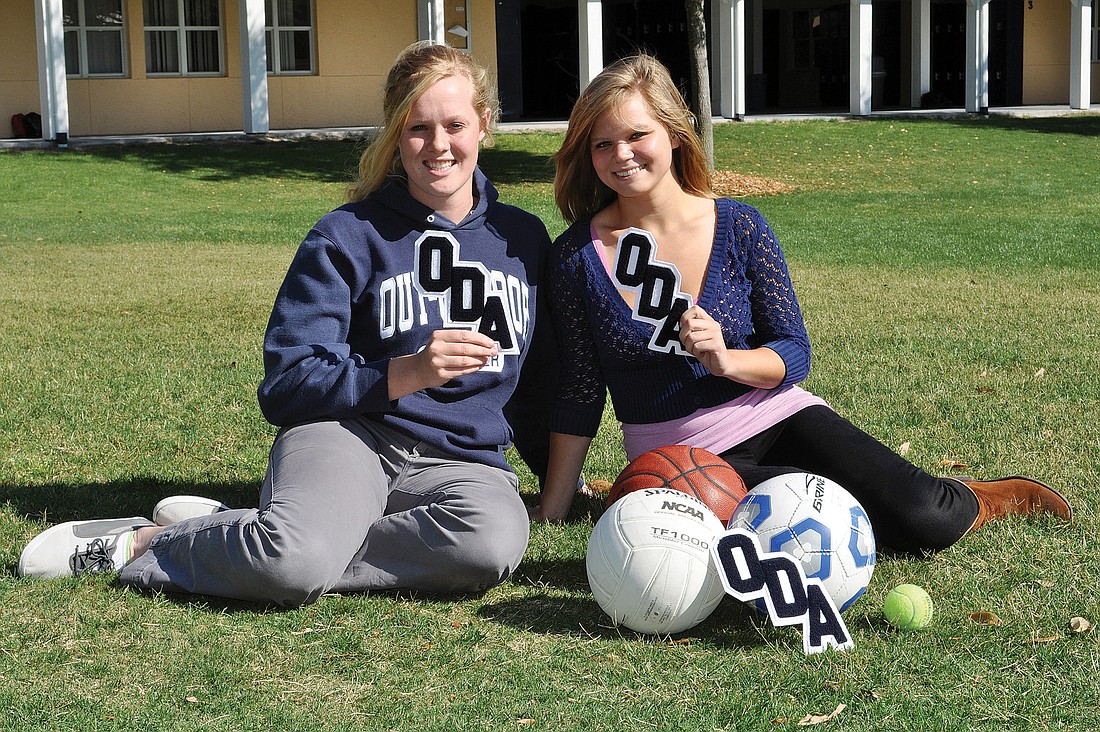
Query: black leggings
[910, 509]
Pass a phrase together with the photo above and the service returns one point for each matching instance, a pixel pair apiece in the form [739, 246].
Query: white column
[1079, 62]
[254, 100]
[590, 32]
[977, 56]
[731, 75]
[921, 50]
[53, 90]
[429, 21]
[859, 70]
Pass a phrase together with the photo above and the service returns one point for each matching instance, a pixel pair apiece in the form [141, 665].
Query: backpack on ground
[26, 125]
[33, 122]
[18, 125]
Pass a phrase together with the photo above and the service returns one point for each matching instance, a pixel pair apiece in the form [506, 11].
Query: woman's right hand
[448, 354]
[567, 454]
[701, 335]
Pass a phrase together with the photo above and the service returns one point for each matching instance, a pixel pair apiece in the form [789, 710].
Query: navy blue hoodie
[370, 282]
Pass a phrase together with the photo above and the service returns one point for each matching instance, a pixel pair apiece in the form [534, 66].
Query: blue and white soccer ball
[818, 523]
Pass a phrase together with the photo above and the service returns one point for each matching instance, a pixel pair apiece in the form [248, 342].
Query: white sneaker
[177, 508]
[80, 547]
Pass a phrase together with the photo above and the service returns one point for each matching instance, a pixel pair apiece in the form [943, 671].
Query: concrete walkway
[345, 133]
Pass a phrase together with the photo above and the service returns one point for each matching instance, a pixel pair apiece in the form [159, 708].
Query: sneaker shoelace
[96, 558]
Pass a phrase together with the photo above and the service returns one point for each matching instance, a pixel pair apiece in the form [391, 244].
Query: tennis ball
[908, 607]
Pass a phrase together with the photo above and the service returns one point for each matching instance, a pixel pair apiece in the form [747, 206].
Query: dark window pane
[202, 52]
[70, 13]
[200, 12]
[103, 13]
[72, 53]
[162, 52]
[104, 52]
[161, 12]
[294, 51]
[294, 12]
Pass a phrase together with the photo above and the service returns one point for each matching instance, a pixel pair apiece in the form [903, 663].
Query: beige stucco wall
[357, 41]
[18, 62]
[1046, 53]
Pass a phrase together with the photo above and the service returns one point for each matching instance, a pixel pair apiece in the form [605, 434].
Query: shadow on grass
[58, 502]
[1084, 125]
[568, 575]
[324, 161]
[732, 624]
[516, 166]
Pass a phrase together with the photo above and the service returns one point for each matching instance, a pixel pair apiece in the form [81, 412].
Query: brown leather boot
[1015, 495]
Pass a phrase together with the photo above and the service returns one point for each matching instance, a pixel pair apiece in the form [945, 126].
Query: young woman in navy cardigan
[680, 305]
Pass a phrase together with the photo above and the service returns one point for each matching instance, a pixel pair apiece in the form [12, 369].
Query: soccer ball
[649, 563]
[821, 525]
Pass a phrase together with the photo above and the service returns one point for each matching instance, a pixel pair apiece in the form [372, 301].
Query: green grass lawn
[948, 271]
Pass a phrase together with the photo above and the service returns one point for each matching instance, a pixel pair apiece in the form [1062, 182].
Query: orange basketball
[690, 470]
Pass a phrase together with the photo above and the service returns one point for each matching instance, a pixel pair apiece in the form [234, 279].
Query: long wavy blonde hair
[417, 67]
[577, 189]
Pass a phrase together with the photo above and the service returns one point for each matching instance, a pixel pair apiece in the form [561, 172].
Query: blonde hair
[417, 67]
[577, 189]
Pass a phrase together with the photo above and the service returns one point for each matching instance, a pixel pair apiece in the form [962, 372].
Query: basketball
[690, 470]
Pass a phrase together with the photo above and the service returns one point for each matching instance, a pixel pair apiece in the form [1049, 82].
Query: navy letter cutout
[748, 573]
[656, 285]
[471, 298]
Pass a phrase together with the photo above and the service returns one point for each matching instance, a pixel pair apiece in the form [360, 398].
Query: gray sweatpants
[348, 506]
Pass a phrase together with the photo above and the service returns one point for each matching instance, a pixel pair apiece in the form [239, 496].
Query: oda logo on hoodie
[468, 295]
[656, 285]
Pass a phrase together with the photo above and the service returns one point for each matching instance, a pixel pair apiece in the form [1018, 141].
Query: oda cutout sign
[751, 574]
[656, 286]
[470, 296]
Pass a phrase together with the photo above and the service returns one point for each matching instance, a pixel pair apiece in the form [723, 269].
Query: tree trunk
[700, 97]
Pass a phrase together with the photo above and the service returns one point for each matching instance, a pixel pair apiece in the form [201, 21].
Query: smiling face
[439, 145]
[631, 150]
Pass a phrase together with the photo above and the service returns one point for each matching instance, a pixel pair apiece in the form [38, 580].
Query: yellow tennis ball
[908, 607]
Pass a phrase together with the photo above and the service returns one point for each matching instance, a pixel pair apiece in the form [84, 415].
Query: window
[289, 35]
[456, 24]
[94, 36]
[183, 37]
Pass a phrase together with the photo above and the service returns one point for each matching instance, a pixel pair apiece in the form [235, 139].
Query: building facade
[120, 67]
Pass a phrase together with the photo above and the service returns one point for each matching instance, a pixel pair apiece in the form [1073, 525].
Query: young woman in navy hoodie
[394, 345]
